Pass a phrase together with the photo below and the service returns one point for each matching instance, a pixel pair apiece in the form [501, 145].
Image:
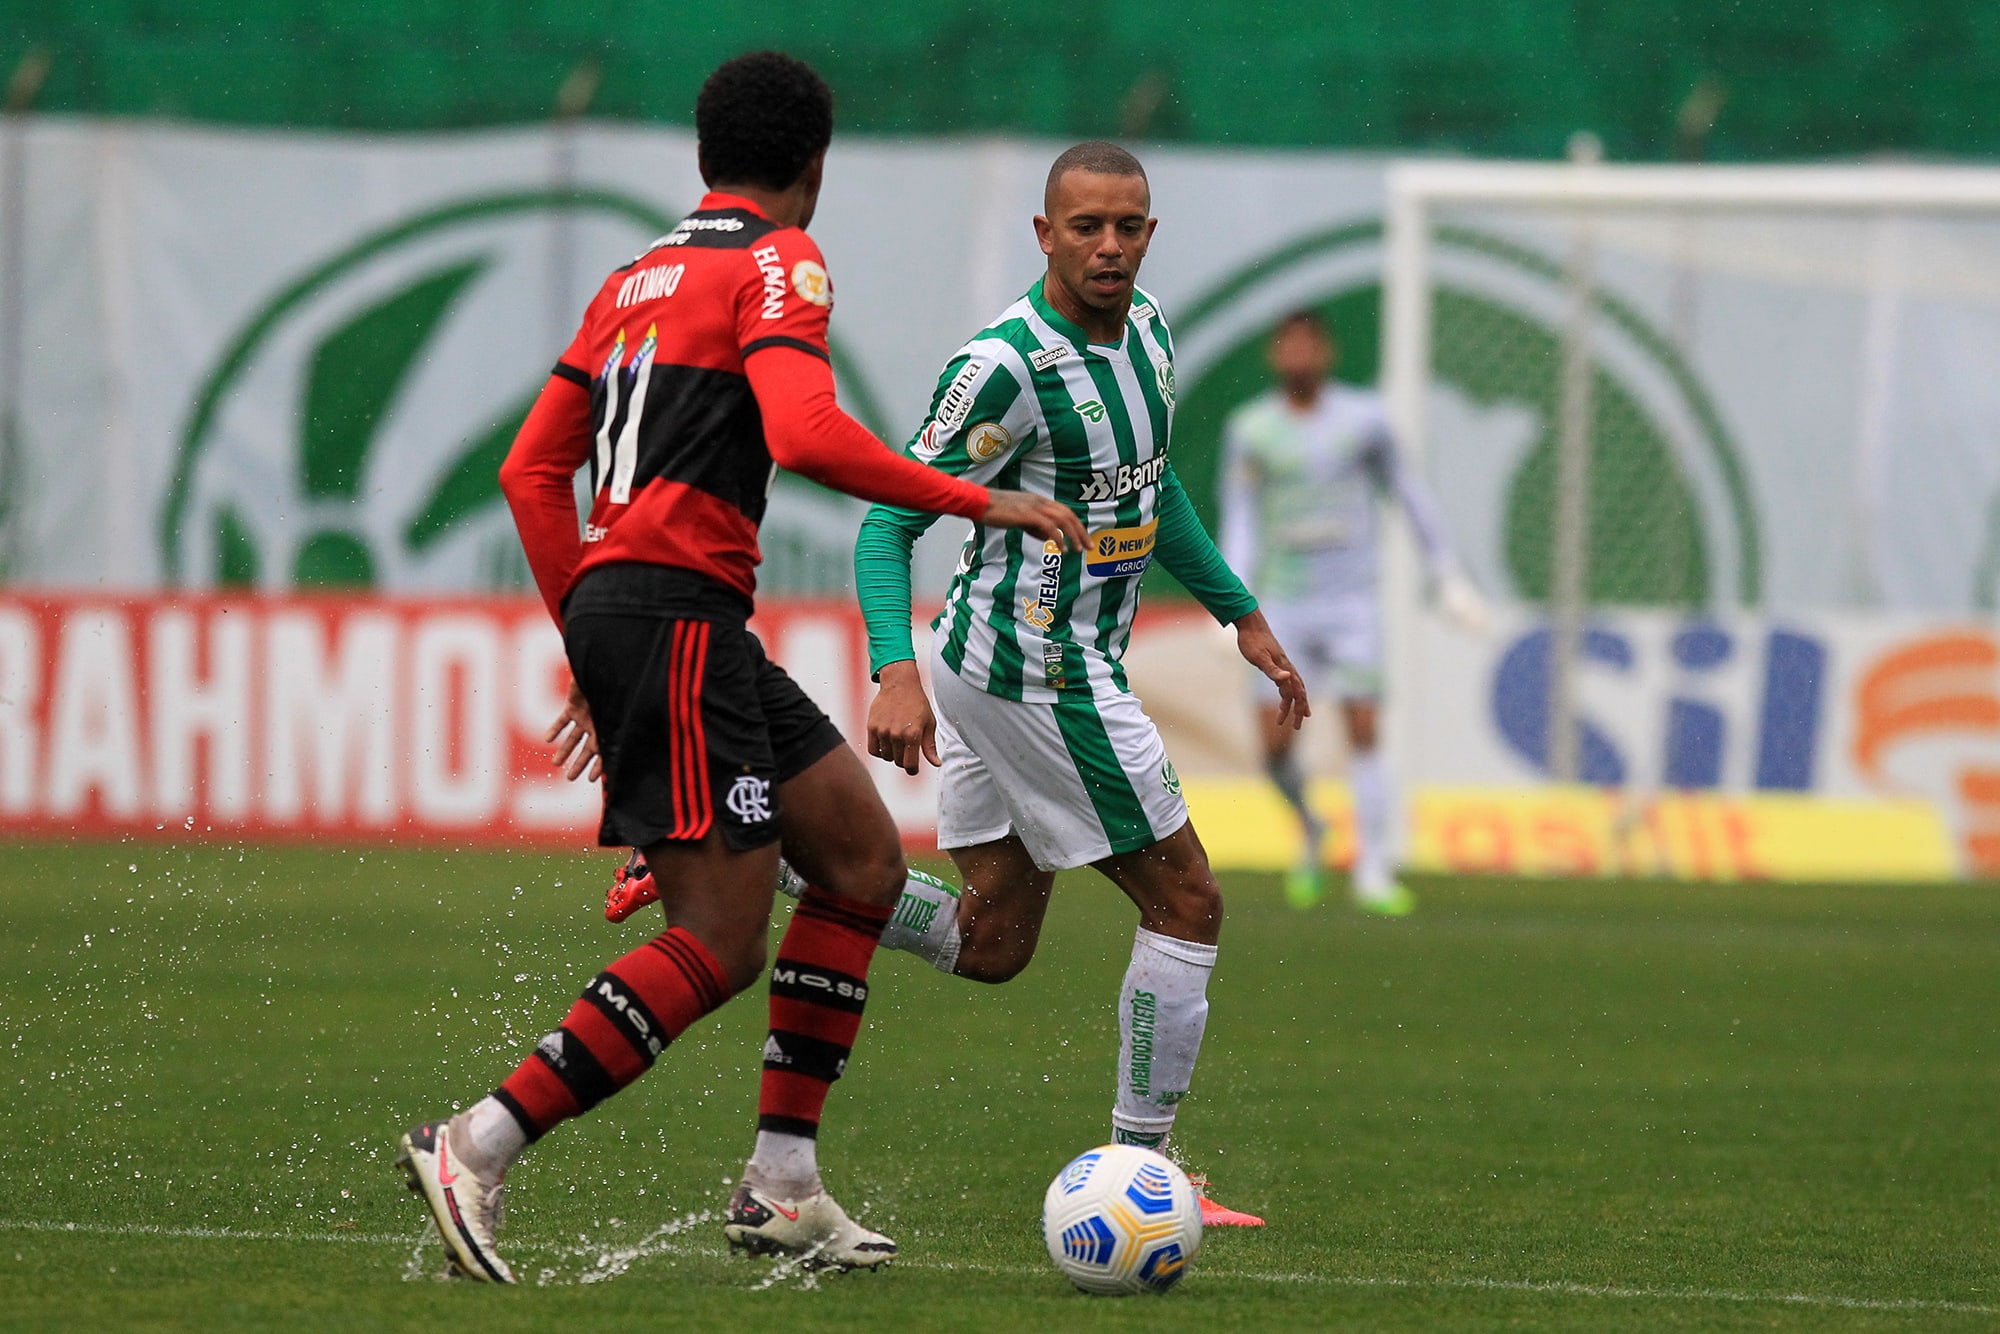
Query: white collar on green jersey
[1070, 330]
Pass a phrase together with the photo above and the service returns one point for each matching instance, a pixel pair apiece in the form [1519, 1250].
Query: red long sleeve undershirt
[804, 428]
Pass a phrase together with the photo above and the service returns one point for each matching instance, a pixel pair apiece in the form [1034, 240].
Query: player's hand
[574, 737]
[1050, 520]
[901, 727]
[1261, 649]
[1461, 603]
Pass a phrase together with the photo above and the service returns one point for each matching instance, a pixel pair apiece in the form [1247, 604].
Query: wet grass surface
[1615, 1105]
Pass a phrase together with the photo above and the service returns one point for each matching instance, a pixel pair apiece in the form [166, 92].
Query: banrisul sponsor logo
[352, 431]
[1118, 483]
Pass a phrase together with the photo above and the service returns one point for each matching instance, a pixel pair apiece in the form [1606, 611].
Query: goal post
[1692, 394]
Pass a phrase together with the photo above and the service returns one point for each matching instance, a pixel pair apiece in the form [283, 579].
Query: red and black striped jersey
[680, 471]
[699, 367]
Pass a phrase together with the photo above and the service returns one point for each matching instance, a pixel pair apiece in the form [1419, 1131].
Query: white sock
[487, 1138]
[785, 1165]
[1374, 823]
[1162, 1011]
[925, 922]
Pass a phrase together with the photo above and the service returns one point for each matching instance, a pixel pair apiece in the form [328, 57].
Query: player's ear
[807, 187]
[1045, 233]
[815, 173]
[701, 165]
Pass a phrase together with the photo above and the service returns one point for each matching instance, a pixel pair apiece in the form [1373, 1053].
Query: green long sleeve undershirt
[882, 569]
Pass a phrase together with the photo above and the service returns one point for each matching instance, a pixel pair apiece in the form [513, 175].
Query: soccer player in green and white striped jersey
[1048, 761]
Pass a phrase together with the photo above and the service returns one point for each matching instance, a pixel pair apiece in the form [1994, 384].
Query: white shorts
[1078, 780]
[1334, 643]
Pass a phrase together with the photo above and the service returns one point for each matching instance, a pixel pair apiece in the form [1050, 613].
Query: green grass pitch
[1535, 1106]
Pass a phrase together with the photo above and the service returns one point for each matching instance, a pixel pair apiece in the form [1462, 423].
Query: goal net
[1723, 446]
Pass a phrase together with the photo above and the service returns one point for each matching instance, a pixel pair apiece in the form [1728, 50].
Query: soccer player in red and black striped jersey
[700, 368]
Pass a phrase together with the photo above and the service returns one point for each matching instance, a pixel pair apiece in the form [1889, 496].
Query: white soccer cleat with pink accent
[465, 1207]
[815, 1230]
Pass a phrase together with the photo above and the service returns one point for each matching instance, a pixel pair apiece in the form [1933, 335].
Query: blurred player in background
[1304, 467]
[699, 368]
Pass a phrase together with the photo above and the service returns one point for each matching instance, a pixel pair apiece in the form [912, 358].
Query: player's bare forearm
[1261, 649]
[901, 727]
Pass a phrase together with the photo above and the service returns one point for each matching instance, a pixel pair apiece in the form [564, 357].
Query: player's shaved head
[1098, 156]
[1095, 229]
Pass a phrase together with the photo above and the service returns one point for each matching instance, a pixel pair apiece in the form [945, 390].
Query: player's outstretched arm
[810, 435]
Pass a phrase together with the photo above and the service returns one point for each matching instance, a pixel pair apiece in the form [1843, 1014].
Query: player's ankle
[782, 1187]
[485, 1160]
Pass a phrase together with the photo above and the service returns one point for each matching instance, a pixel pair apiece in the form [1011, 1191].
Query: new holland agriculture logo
[352, 431]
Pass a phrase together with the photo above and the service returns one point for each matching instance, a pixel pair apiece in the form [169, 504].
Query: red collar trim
[716, 199]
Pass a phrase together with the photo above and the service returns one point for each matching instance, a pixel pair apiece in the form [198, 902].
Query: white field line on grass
[1602, 1292]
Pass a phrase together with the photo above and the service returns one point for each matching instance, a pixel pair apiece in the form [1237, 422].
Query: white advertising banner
[263, 363]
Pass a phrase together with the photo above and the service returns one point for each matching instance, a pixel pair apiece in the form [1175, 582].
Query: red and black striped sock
[818, 988]
[613, 1034]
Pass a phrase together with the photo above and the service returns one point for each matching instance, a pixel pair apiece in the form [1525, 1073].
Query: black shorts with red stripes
[696, 727]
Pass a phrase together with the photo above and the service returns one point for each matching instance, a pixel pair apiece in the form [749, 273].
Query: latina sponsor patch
[809, 280]
[956, 405]
[988, 441]
[1117, 553]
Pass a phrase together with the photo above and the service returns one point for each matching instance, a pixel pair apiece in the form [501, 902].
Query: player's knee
[993, 957]
[871, 874]
[743, 962]
[1193, 910]
[995, 947]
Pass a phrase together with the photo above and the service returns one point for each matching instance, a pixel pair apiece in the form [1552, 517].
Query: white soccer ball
[1121, 1219]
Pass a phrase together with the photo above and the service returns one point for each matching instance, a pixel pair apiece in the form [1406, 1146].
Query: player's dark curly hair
[760, 119]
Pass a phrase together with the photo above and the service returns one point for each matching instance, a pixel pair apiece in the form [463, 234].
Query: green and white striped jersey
[1030, 404]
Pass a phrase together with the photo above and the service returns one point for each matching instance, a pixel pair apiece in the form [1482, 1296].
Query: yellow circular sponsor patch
[809, 280]
[988, 441]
